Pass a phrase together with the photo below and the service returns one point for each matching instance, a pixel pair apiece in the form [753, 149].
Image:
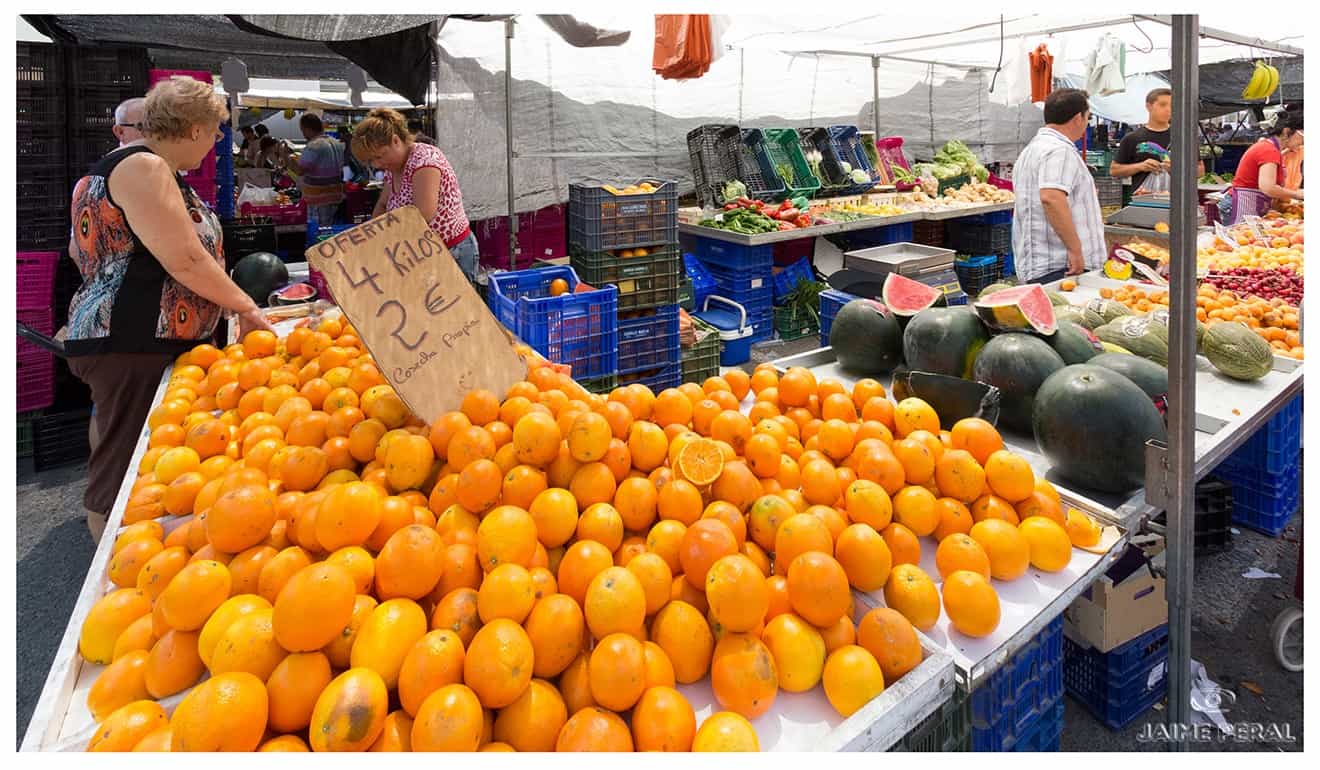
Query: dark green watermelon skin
[866, 338]
[944, 340]
[952, 398]
[1092, 424]
[1145, 374]
[1016, 364]
[1074, 343]
[259, 274]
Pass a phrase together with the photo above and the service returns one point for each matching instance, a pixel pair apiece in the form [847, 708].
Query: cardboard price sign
[431, 335]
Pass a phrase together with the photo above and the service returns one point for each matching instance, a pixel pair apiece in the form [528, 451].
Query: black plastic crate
[45, 230]
[42, 189]
[599, 220]
[979, 239]
[23, 427]
[39, 64]
[948, 729]
[647, 281]
[39, 111]
[116, 67]
[928, 233]
[244, 238]
[67, 283]
[976, 273]
[833, 181]
[1214, 515]
[86, 148]
[41, 150]
[60, 439]
[92, 107]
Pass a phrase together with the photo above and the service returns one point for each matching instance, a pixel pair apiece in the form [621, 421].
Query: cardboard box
[1107, 615]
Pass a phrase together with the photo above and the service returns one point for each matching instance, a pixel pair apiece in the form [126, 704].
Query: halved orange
[701, 461]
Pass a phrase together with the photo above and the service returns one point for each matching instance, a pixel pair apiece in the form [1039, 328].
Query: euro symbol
[435, 301]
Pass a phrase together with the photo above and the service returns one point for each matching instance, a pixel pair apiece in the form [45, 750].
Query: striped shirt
[1051, 162]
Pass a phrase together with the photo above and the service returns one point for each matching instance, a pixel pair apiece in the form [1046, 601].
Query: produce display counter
[1028, 604]
[867, 223]
[796, 721]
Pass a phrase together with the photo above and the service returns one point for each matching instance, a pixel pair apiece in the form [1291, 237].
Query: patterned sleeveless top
[128, 303]
[450, 221]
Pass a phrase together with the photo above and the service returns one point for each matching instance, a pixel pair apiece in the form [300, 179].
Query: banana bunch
[1264, 82]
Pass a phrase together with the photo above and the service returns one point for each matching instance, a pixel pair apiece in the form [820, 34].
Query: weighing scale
[864, 270]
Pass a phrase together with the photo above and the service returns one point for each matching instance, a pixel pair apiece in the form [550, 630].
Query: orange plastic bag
[671, 34]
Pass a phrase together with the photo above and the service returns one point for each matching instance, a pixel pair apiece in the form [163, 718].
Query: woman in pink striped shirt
[417, 174]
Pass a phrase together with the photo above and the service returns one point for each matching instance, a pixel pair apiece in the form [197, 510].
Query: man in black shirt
[1145, 166]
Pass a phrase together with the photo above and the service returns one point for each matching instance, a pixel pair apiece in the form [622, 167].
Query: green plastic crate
[792, 325]
[600, 385]
[24, 430]
[687, 297]
[785, 150]
[643, 282]
[953, 183]
[703, 359]
[948, 729]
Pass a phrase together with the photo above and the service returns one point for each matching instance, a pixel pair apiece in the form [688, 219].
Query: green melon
[1074, 343]
[1237, 351]
[994, 287]
[1147, 375]
[1108, 309]
[866, 338]
[1092, 424]
[1140, 335]
[1016, 364]
[943, 340]
[1057, 299]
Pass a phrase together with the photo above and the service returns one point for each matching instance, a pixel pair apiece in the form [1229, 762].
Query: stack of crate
[1266, 472]
[35, 275]
[99, 79]
[985, 246]
[42, 196]
[743, 274]
[630, 241]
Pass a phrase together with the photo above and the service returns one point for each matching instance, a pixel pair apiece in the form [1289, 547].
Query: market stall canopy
[1127, 106]
[273, 97]
[1222, 84]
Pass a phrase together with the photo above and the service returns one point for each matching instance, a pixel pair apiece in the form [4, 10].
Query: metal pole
[875, 95]
[435, 77]
[508, 132]
[1182, 372]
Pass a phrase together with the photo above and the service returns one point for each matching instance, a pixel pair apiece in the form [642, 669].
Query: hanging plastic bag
[670, 41]
[257, 196]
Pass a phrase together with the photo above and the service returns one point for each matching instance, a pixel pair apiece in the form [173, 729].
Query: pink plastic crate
[295, 214]
[36, 366]
[317, 279]
[36, 278]
[1002, 184]
[155, 76]
[542, 234]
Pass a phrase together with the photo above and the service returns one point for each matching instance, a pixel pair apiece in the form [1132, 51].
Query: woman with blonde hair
[152, 262]
[418, 175]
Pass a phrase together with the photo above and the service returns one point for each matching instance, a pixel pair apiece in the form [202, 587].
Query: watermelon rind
[944, 340]
[1019, 309]
[866, 338]
[1074, 343]
[906, 297]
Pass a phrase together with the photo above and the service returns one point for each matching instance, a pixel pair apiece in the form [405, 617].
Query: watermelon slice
[906, 297]
[1019, 309]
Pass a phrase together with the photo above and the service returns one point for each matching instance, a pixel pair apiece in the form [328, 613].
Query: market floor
[1231, 614]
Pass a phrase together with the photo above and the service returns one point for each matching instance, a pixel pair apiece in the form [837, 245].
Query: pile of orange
[321, 570]
[1136, 299]
[1274, 320]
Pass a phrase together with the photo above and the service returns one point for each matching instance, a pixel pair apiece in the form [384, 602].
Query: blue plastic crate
[580, 330]
[1120, 685]
[656, 380]
[735, 256]
[831, 300]
[847, 142]
[743, 280]
[1009, 703]
[1274, 446]
[786, 280]
[1045, 733]
[1009, 268]
[754, 301]
[878, 236]
[993, 218]
[977, 272]
[326, 231]
[1263, 501]
[649, 341]
[703, 284]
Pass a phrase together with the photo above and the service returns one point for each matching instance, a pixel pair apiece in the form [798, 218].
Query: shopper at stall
[128, 121]
[417, 175]
[1261, 178]
[1145, 165]
[249, 148]
[321, 170]
[1057, 227]
[152, 264]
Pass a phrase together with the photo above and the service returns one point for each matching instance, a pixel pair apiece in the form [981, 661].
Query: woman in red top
[1260, 174]
[417, 174]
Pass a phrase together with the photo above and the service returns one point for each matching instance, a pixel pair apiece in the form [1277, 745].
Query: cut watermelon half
[906, 297]
[1019, 309]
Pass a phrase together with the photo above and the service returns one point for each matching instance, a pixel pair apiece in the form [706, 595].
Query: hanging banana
[1260, 77]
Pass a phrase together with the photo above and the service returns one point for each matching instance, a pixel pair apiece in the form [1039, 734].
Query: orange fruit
[682, 632]
[506, 534]
[796, 386]
[1008, 549]
[904, 546]
[911, 592]
[704, 543]
[743, 675]
[798, 650]
[506, 592]
[726, 731]
[991, 506]
[978, 437]
[616, 671]
[701, 462]
[971, 603]
[818, 588]
[959, 476]
[1040, 503]
[892, 640]
[663, 720]
[593, 483]
[916, 509]
[820, 484]
[313, 607]
[954, 517]
[736, 591]
[594, 729]
[960, 552]
[1009, 476]
[916, 458]
[864, 556]
[1082, 529]
[600, 522]
[797, 535]
[1051, 548]
[852, 678]
[615, 603]
[914, 414]
[730, 515]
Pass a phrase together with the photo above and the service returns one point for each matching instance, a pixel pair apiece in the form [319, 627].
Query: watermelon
[1074, 343]
[1092, 424]
[1019, 309]
[906, 297]
[866, 338]
[1016, 364]
[952, 398]
[1147, 375]
[943, 340]
[259, 274]
[293, 294]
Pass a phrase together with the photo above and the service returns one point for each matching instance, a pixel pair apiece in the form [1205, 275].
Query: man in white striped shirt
[1057, 226]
